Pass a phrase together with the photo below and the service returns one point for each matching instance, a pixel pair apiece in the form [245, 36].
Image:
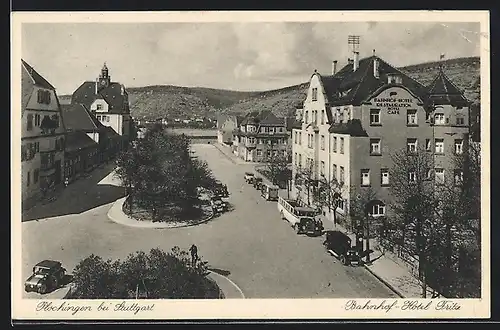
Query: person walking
[194, 254]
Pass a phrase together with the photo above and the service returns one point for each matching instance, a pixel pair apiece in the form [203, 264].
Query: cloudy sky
[237, 56]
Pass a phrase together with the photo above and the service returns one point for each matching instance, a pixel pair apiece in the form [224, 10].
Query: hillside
[171, 101]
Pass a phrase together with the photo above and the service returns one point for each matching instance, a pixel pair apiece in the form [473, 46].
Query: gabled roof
[272, 120]
[77, 117]
[354, 87]
[37, 78]
[76, 140]
[112, 94]
[255, 117]
[443, 91]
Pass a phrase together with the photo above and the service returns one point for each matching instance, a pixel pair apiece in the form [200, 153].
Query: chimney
[334, 67]
[356, 61]
[376, 72]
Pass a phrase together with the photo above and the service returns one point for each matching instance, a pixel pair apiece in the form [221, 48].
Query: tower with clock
[104, 77]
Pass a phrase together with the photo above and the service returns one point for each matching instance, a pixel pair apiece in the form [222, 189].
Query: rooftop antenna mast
[353, 41]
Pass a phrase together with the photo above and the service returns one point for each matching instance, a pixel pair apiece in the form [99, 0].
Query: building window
[458, 177]
[99, 106]
[334, 171]
[322, 142]
[28, 178]
[29, 122]
[439, 146]
[428, 174]
[342, 173]
[342, 145]
[411, 117]
[306, 117]
[334, 144]
[375, 147]
[99, 118]
[412, 176]
[43, 96]
[378, 210]
[36, 175]
[365, 177]
[341, 117]
[268, 153]
[439, 119]
[295, 137]
[459, 146]
[439, 175]
[428, 145]
[314, 94]
[322, 117]
[322, 168]
[384, 177]
[300, 160]
[460, 121]
[411, 145]
[259, 152]
[340, 204]
[37, 120]
[375, 117]
[295, 159]
[300, 138]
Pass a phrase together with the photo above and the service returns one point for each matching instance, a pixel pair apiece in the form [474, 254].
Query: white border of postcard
[26, 309]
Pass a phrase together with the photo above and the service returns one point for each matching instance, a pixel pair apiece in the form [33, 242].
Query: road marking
[230, 281]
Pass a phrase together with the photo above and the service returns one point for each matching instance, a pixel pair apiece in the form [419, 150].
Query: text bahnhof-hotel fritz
[353, 119]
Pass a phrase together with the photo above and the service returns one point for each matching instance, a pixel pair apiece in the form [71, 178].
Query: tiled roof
[272, 120]
[292, 122]
[86, 95]
[37, 78]
[443, 91]
[255, 117]
[77, 117]
[77, 140]
[354, 87]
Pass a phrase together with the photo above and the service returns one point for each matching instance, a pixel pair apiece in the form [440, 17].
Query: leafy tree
[278, 169]
[159, 172]
[155, 275]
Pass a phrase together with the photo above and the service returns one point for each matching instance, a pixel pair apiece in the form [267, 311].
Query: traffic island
[116, 214]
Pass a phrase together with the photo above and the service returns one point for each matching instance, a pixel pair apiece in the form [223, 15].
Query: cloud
[230, 55]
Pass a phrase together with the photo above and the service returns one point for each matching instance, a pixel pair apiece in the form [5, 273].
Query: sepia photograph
[303, 165]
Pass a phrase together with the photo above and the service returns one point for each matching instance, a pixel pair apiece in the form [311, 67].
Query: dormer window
[394, 79]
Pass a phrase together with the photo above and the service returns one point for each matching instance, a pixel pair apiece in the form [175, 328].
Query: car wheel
[43, 289]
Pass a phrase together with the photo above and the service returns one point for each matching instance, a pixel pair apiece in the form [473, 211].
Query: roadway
[250, 244]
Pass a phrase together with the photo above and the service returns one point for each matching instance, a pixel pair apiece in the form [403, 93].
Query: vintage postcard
[250, 165]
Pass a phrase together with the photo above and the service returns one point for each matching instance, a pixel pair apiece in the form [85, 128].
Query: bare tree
[278, 169]
[305, 177]
[330, 192]
[414, 201]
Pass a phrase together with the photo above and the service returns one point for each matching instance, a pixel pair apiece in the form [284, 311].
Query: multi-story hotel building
[42, 135]
[354, 118]
[108, 101]
[260, 136]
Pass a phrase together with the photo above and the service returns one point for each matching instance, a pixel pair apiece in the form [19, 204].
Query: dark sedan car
[47, 275]
[339, 245]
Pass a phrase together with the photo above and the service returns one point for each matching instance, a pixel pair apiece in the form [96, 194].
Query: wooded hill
[165, 101]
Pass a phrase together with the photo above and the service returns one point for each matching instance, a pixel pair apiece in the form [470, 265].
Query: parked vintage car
[257, 182]
[309, 226]
[339, 245]
[249, 176]
[218, 205]
[47, 275]
[220, 190]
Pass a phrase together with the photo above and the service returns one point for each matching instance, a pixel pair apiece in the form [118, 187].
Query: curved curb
[117, 215]
[223, 282]
[386, 283]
